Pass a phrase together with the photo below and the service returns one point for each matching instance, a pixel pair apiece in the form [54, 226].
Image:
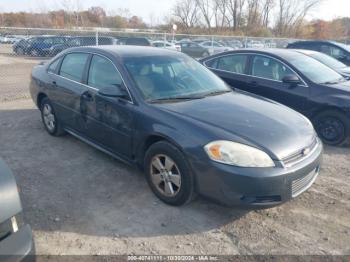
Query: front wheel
[168, 174]
[333, 127]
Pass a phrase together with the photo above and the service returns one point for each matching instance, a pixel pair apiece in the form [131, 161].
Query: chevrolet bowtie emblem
[305, 151]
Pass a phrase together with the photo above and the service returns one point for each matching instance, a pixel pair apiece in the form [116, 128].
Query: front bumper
[256, 187]
[18, 246]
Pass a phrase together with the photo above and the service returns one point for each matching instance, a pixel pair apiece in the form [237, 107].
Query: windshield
[315, 70]
[166, 77]
[328, 60]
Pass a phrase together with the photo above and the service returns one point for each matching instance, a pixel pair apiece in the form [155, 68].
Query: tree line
[281, 18]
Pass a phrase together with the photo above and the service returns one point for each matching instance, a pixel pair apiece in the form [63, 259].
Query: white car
[255, 44]
[215, 47]
[167, 45]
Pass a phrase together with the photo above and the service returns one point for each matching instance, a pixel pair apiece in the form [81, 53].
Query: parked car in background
[193, 49]
[337, 50]
[215, 47]
[295, 80]
[255, 44]
[16, 240]
[190, 133]
[235, 44]
[10, 39]
[270, 44]
[167, 45]
[329, 61]
[138, 41]
[38, 46]
[82, 41]
[200, 40]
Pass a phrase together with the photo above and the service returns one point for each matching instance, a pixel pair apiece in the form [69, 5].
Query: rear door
[233, 69]
[67, 88]
[108, 121]
[266, 78]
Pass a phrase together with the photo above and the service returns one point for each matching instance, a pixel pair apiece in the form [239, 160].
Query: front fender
[10, 203]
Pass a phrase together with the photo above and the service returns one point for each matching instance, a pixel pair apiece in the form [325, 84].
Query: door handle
[87, 97]
[54, 83]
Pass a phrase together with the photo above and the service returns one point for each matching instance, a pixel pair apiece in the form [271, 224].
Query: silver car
[16, 240]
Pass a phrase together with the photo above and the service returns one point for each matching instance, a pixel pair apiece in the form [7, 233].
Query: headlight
[237, 154]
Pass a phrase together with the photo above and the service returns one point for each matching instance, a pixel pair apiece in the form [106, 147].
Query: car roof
[306, 51]
[124, 51]
[286, 54]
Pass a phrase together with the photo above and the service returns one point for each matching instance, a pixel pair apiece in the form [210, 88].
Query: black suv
[337, 50]
[82, 41]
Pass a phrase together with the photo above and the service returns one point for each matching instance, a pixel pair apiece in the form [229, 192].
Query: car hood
[10, 204]
[275, 128]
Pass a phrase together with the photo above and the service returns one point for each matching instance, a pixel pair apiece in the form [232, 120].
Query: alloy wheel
[165, 175]
[49, 117]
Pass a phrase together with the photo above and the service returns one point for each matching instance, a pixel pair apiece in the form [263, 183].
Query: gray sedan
[16, 241]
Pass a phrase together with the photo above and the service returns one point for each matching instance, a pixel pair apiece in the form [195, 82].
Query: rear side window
[73, 66]
[233, 63]
[102, 73]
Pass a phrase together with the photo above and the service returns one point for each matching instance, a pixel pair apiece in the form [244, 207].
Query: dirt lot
[80, 201]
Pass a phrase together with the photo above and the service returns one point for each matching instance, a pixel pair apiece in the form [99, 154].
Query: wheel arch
[152, 139]
[40, 98]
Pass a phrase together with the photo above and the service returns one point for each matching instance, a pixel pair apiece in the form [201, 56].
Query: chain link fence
[22, 48]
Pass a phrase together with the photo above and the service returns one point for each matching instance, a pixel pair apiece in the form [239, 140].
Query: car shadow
[68, 186]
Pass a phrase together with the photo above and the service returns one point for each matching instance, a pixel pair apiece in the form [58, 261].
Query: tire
[34, 52]
[50, 121]
[20, 51]
[333, 127]
[180, 176]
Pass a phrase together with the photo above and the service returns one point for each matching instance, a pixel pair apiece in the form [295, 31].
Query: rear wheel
[168, 174]
[49, 118]
[333, 127]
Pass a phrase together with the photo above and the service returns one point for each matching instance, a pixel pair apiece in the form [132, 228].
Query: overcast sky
[159, 8]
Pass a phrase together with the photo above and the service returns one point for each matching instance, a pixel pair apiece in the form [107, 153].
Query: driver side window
[102, 73]
[269, 68]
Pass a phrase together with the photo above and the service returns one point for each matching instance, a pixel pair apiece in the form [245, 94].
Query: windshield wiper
[174, 98]
[218, 92]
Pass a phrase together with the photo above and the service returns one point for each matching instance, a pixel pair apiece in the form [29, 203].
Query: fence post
[96, 37]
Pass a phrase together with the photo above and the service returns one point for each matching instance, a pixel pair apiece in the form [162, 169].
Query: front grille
[300, 154]
[301, 184]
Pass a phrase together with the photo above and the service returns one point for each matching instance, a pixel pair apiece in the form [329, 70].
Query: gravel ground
[80, 201]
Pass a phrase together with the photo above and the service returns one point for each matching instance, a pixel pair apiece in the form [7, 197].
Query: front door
[108, 121]
[266, 79]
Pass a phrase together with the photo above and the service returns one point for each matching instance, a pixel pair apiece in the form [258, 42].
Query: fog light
[14, 224]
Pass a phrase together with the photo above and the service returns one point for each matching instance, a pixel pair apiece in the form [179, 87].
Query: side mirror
[116, 90]
[291, 79]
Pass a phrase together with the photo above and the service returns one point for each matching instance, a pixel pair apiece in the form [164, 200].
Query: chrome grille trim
[298, 156]
[302, 184]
